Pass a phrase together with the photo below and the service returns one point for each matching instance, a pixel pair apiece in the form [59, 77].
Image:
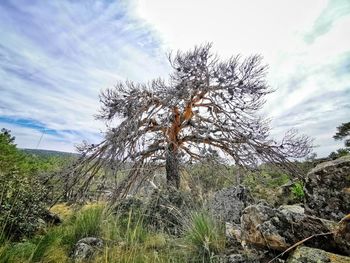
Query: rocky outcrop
[166, 208]
[313, 255]
[278, 229]
[229, 203]
[85, 248]
[321, 224]
[327, 189]
[242, 258]
[342, 234]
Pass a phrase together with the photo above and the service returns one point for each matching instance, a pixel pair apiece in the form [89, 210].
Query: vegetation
[128, 240]
[298, 191]
[343, 132]
[203, 236]
[20, 204]
[206, 113]
[23, 196]
[133, 232]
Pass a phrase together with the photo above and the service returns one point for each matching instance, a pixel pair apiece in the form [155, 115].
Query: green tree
[21, 194]
[343, 132]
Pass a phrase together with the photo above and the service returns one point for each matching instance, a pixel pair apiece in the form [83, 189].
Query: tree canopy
[343, 131]
[208, 107]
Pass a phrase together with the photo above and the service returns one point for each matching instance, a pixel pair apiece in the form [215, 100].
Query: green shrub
[298, 191]
[21, 194]
[209, 176]
[203, 236]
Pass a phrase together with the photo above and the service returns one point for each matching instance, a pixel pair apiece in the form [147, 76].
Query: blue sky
[56, 57]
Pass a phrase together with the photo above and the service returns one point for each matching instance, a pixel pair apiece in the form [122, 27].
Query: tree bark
[172, 167]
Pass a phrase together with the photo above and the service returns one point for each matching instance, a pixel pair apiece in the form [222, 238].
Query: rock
[228, 204]
[166, 208]
[47, 219]
[251, 256]
[292, 208]
[326, 189]
[266, 227]
[313, 255]
[242, 258]
[233, 235]
[51, 218]
[85, 248]
[127, 205]
[342, 234]
[41, 226]
[284, 194]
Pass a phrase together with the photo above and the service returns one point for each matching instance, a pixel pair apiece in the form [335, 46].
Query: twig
[299, 243]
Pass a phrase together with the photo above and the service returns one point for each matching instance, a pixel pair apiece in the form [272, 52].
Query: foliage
[21, 193]
[207, 177]
[343, 131]
[265, 183]
[203, 236]
[298, 191]
[57, 244]
[18, 252]
[339, 153]
[63, 210]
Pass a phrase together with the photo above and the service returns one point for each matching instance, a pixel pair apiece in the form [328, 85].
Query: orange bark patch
[175, 127]
[187, 115]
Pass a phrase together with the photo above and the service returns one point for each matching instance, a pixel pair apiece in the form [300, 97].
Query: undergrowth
[126, 239]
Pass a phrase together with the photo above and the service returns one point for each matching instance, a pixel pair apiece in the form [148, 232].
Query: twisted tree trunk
[172, 167]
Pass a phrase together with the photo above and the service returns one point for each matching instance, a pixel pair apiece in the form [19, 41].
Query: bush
[22, 195]
[339, 153]
[298, 191]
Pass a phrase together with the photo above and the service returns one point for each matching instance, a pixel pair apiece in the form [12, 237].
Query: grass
[203, 236]
[127, 239]
[63, 210]
[58, 242]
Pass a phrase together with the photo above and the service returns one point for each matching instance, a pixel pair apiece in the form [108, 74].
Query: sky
[57, 56]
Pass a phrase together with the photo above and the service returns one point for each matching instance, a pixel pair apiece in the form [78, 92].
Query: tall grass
[58, 242]
[203, 236]
[132, 241]
[127, 239]
[85, 223]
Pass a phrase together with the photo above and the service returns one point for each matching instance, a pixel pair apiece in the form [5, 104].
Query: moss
[63, 210]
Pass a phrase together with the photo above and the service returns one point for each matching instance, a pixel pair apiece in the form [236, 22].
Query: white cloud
[55, 57]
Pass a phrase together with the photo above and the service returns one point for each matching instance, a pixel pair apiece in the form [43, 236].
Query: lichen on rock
[326, 189]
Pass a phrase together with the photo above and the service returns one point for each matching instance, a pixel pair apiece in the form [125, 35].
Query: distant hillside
[48, 153]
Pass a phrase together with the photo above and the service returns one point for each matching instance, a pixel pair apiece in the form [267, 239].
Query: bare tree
[208, 107]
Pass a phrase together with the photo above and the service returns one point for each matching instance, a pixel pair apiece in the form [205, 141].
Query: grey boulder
[85, 248]
[327, 189]
[228, 204]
